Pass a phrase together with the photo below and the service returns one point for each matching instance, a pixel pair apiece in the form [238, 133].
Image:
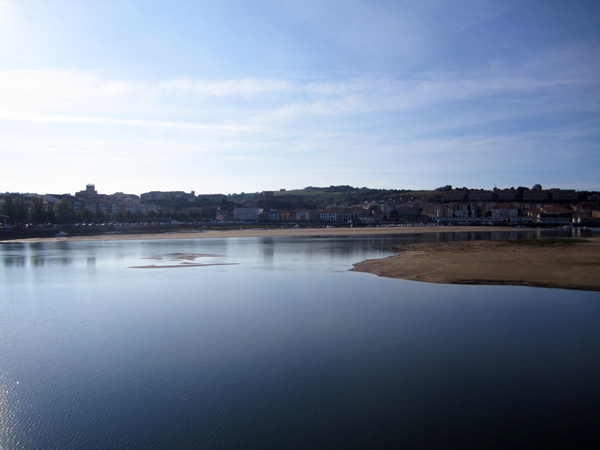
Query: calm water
[284, 348]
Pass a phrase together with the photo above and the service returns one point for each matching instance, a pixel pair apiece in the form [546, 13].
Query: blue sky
[223, 96]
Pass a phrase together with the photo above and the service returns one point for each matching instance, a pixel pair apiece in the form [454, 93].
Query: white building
[504, 212]
[271, 216]
[250, 214]
[328, 216]
[303, 216]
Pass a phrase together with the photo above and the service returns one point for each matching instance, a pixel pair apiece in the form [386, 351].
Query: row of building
[541, 212]
[157, 196]
[107, 207]
[90, 200]
[309, 215]
[473, 205]
[482, 195]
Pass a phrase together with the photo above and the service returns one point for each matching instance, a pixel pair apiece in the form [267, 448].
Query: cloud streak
[126, 122]
[298, 114]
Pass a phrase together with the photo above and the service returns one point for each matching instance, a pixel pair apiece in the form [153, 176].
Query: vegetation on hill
[320, 197]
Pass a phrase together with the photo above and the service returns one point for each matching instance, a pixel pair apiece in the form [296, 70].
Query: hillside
[320, 197]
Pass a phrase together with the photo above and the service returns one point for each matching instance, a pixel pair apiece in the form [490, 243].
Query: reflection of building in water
[17, 261]
[268, 246]
[37, 261]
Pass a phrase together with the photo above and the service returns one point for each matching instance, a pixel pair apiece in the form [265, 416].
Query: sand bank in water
[552, 263]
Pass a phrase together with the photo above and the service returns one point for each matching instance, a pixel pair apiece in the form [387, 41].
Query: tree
[8, 206]
[178, 204]
[20, 211]
[37, 211]
[86, 215]
[50, 216]
[537, 187]
[121, 216]
[62, 211]
[99, 216]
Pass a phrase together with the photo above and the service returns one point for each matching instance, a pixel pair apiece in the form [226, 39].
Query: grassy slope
[340, 195]
[324, 196]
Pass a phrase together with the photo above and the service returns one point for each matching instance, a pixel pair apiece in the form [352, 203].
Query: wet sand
[181, 260]
[275, 232]
[529, 263]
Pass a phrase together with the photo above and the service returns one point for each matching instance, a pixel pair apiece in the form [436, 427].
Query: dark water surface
[284, 349]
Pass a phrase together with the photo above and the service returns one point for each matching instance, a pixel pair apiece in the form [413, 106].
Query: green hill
[320, 197]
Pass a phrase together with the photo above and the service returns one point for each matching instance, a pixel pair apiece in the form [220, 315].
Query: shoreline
[559, 265]
[288, 232]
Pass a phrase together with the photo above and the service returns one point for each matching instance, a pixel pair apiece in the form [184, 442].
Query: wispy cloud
[247, 87]
[48, 118]
[28, 90]
[94, 98]
[407, 120]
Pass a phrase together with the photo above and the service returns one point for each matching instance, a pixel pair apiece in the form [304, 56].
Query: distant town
[333, 205]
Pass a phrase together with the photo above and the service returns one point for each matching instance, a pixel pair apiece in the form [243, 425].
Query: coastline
[274, 232]
[558, 265]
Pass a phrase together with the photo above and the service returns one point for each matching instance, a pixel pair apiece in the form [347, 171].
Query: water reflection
[37, 260]
[314, 250]
[268, 251]
[38, 246]
[119, 358]
[40, 260]
[10, 261]
[9, 423]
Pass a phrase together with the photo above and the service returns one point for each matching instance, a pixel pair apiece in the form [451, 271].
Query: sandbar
[549, 263]
[183, 260]
[273, 232]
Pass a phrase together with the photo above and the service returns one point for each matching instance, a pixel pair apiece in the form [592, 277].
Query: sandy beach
[553, 264]
[273, 232]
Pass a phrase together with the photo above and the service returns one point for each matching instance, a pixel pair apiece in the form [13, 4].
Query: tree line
[18, 212]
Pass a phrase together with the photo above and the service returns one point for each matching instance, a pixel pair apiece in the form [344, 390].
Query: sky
[230, 96]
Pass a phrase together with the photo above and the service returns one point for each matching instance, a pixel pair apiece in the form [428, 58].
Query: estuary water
[274, 344]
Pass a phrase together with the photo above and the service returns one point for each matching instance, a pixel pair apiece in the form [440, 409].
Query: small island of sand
[551, 263]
